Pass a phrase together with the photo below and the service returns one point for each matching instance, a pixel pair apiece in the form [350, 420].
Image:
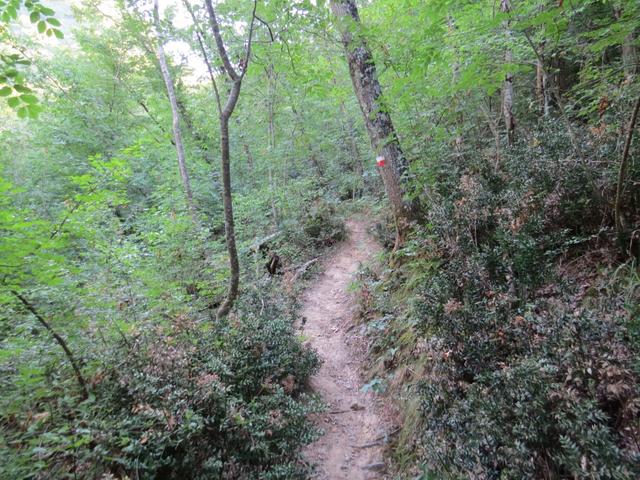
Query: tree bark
[175, 112]
[249, 155]
[350, 133]
[507, 88]
[383, 136]
[543, 93]
[229, 225]
[630, 57]
[619, 217]
[458, 141]
[225, 112]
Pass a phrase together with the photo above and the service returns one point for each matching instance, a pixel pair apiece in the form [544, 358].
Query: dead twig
[302, 269]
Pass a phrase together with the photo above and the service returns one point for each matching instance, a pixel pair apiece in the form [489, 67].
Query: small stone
[355, 407]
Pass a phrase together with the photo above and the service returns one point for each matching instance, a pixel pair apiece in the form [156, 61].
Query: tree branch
[222, 51]
[266, 25]
[245, 65]
[63, 344]
[205, 55]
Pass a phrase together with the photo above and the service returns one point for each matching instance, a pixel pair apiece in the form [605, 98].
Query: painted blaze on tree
[382, 133]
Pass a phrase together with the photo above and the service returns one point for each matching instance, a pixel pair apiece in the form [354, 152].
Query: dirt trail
[351, 447]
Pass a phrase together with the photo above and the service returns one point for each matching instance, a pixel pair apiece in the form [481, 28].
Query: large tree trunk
[175, 112]
[507, 88]
[384, 140]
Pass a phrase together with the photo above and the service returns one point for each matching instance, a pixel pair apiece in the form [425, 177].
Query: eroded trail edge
[354, 427]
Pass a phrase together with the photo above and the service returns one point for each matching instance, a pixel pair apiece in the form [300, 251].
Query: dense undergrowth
[509, 321]
[172, 392]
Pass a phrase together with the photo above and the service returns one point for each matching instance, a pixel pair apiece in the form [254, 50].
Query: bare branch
[266, 25]
[205, 55]
[245, 65]
[63, 344]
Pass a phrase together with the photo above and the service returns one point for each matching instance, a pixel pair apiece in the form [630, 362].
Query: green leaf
[53, 21]
[5, 91]
[34, 17]
[23, 112]
[30, 99]
[58, 33]
[13, 102]
[22, 89]
[41, 26]
[34, 110]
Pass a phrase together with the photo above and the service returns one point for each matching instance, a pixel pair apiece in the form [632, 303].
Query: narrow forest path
[351, 447]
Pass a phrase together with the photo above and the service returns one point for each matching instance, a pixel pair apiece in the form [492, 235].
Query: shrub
[323, 224]
[186, 401]
[523, 368]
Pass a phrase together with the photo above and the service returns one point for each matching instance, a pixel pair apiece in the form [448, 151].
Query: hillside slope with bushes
[173, 172]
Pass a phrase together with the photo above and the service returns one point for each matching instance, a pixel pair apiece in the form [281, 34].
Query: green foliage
[508, 338]
[507, 302]
[524, 367]
[322, 224]
[186, 400]
[13, 82]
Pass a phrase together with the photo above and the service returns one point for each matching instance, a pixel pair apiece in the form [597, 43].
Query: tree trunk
[175, 112]
[455, 99]
[384, 140]
[271, 104]
[236, 78]
[307, 145]
[349, 130]
[622, 172]
[272, 198]
[543, 89]
[249, 155]
[507, 88]
[229, 225]
[630, 57]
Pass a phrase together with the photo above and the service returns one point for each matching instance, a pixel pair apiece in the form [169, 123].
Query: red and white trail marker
[381, 161]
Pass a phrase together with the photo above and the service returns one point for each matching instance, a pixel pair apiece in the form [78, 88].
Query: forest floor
[355, 424]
